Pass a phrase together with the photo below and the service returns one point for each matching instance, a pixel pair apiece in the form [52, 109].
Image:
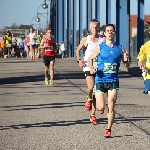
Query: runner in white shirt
[90, 42]
[32, 43]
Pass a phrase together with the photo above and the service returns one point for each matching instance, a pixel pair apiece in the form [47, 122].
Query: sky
[25, 12]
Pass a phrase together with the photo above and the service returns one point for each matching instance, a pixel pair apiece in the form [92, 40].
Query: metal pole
[91, 10]
[81, 21]
[140, 24]
[47, 16]
[74, 27]
[121, 22]
[88, 11]
[68, 26]
[56, 21]
[97, 10]
[108, 11]
[63, 21]
[50, 13]
[128, 29]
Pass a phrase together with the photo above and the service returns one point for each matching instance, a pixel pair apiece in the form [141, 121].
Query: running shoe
[46, 81]
[107, 133]
[93, 119]
[51, 82]
[101, 111]
[88, 105]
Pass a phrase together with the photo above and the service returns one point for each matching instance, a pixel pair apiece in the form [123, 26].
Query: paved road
[34, 116]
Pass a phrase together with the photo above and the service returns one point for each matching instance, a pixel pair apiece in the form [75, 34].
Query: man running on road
[109, 56]
[48, 43]
[90, 42]
[145, 54]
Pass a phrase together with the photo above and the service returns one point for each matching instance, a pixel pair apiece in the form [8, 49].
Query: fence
[133, 47]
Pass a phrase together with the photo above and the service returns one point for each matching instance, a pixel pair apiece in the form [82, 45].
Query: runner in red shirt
[48, 43]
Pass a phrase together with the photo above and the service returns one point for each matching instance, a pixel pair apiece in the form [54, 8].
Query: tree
[13, 26]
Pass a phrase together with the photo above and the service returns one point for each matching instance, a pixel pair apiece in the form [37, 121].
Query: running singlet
[49, 50]
[8, 40]
[90, 48]
[108, 63]
[145, 54]
[27, 42]
[38, 41]
[32, 38]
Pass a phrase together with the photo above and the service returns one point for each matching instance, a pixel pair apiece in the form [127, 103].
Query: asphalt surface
[34, 116]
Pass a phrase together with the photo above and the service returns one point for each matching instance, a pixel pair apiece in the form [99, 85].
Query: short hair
[48, 29]
[94, 20]
[109, 25]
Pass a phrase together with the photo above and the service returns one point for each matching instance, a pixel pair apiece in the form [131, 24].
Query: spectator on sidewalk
[8, 41]
[62, 48]
[70, 42]
[14, 45]
[2, 46]
[21, 48]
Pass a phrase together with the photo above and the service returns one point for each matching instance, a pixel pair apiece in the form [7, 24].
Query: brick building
[133, 24]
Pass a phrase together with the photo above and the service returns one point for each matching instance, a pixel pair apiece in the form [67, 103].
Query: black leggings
[7, 51]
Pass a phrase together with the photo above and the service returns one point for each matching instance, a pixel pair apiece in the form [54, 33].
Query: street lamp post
[38, 18]
[34, 18]
[44, 6]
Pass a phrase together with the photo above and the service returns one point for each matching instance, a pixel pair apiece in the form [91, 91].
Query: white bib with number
[49, 48]
[109, 68]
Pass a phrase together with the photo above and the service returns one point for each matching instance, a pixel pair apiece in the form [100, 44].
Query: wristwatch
[141, 67]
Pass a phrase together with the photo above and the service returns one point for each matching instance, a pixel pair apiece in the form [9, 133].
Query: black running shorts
[87, 73]
[48, 59]
[105, 86]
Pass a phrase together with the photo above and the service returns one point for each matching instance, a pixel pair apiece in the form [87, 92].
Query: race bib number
[95, 60]
[110, 68]
[50, 48]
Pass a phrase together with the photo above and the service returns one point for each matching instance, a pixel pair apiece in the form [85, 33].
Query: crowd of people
[26, 47]
[10, 47]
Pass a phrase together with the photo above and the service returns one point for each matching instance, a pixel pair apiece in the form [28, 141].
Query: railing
[134, 50]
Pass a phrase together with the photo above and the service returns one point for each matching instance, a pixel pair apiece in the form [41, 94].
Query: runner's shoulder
[84, 41]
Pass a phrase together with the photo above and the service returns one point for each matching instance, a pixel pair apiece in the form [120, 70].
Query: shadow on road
[43, 106]
[37, 78]
[73, 122]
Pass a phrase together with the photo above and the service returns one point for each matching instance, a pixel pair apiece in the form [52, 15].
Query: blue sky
[23, 12]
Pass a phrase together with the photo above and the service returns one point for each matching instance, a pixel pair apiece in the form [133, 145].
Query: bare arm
[95, 53]
[28, 35]
[42, 44]
[125, 58]
[81, 45]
